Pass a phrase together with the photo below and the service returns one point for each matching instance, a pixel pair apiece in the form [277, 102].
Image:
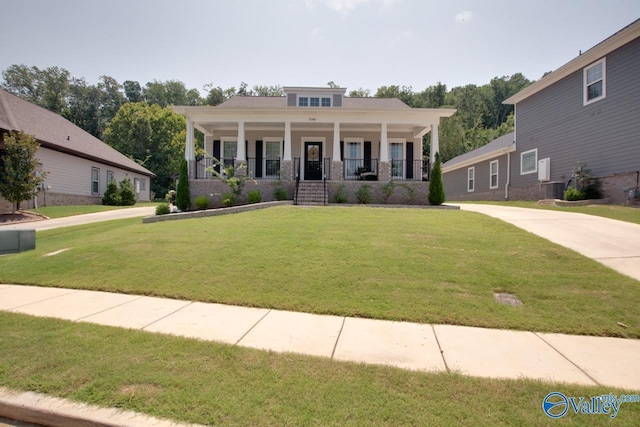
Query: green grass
[216, 384]
[621, 213]
[430, 266]
[64, 211]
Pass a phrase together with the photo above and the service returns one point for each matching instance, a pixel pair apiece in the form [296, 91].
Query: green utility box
[12, 241]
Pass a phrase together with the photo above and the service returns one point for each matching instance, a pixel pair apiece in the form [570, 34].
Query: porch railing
[205, 164]
[263, 168]
[403, 170]
[360, 169]
[296, 172]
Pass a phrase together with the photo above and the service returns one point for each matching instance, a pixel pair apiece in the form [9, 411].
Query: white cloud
[464, 16]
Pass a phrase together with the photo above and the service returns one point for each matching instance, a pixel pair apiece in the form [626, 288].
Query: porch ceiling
[210, 128]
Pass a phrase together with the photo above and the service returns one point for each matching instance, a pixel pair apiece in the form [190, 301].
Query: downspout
[506, 185]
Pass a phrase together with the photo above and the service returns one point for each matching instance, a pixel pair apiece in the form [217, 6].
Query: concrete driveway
[613, 243]
[82, 219]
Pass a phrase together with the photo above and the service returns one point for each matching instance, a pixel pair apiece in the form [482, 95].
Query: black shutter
[216, 154]
[246, 150]
[258, 165]
[342, 151]
[367, 155]
[409, 174]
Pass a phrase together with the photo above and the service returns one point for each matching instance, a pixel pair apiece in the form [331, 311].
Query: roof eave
[475, 160]
[614, 42]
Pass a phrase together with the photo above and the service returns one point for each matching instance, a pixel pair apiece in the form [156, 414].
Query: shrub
[572, 194]
[280, 193]
[254, 196]
[127, 193]
[387, 191]
[364, 195]
[339, 196]
[162, 209]
[228, 199]
[202, 202]
[171, 197]
[436, 189]
[183, 199]
[112, 195]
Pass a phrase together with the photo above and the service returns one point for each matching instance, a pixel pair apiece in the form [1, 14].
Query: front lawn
[430, 266]
[216, 384]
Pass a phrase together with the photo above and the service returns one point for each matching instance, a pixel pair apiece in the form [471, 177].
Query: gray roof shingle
[57, 133]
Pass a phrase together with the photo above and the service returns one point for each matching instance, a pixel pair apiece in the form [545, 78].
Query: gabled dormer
[314, 97]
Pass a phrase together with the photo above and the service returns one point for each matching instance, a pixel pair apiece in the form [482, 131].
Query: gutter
[506, 185]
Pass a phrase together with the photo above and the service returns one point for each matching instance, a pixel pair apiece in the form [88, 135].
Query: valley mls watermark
[556, 404]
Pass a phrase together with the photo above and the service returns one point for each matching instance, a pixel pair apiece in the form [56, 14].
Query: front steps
[312, 193]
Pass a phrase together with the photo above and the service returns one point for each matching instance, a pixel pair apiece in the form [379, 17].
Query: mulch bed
[20, 216]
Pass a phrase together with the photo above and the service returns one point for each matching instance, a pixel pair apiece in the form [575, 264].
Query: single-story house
[78, 165]
[586, 111]
[315, 141]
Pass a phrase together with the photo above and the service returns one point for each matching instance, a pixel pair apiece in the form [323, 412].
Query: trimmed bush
[162, 209]
[112, 195]
[436, 189]
[127, 193]
[202, 202]
[572, 194]
[339, 196]
[364, 195]
[228, 199]
[183, 199]
[254, 196]
[280, 193]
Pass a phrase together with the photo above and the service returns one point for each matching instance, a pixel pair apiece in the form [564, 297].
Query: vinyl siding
[604, 134]
[68, 174]
[455, 181]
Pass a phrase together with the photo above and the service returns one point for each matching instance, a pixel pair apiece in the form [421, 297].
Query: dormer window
[326, 102]
[314, 101]
[303, 101]
[314, 97]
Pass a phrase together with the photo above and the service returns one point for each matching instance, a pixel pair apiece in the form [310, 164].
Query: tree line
[133, 118]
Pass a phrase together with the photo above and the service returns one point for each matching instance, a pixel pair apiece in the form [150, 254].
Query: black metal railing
[205, 166]
[360, 169]
[403, 170]
[263, 168]
[296, 172]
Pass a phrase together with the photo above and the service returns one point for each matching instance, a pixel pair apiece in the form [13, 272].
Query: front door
[312, 160]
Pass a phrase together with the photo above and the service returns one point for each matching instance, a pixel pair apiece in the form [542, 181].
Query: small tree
[112, 195]
[436, 189]
[183, 199]
[127, 193]
[19, 179]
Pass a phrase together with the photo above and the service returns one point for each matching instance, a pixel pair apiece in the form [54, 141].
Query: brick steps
[312, 194]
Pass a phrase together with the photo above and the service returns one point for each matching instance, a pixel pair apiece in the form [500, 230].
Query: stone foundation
[52, 199]
[215, 188]
[392, 193]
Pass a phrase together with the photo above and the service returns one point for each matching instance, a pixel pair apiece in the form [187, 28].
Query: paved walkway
[423, 347]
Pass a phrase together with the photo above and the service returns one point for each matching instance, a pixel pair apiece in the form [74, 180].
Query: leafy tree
[83, 107]
[333, 85]
[172, 92]
[436, 188]
[183, 198]
[133, 91]
[151, 135]
[267, 90]
[47, 88]
[360, 93]
[19, 178]
[405, 94]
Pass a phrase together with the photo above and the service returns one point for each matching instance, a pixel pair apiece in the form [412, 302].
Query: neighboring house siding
[71, 175]
[604, 134]
[455, 182]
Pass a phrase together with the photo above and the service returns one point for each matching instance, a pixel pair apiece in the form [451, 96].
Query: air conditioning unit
[544, 169]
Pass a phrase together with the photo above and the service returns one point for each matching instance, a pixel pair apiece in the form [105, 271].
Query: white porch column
[435, 144]
[242, 153]
[189, 152]
[336, 142]
[287, 141]
[384, 146]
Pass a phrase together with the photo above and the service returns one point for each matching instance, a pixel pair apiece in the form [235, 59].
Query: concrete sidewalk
[615, 244]
[422, 347]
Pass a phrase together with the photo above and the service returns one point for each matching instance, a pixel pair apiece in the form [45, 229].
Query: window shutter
[258, 165]
[342, 151]
[367, 155]
[409, 173]
[337, 100]
[216, 154]
[291, 100]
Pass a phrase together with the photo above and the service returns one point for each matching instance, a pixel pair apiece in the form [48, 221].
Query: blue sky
[355, 43]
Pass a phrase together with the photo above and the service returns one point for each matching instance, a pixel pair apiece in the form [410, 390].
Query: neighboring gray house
[481, 174]
[588, 110]
[79, 166]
